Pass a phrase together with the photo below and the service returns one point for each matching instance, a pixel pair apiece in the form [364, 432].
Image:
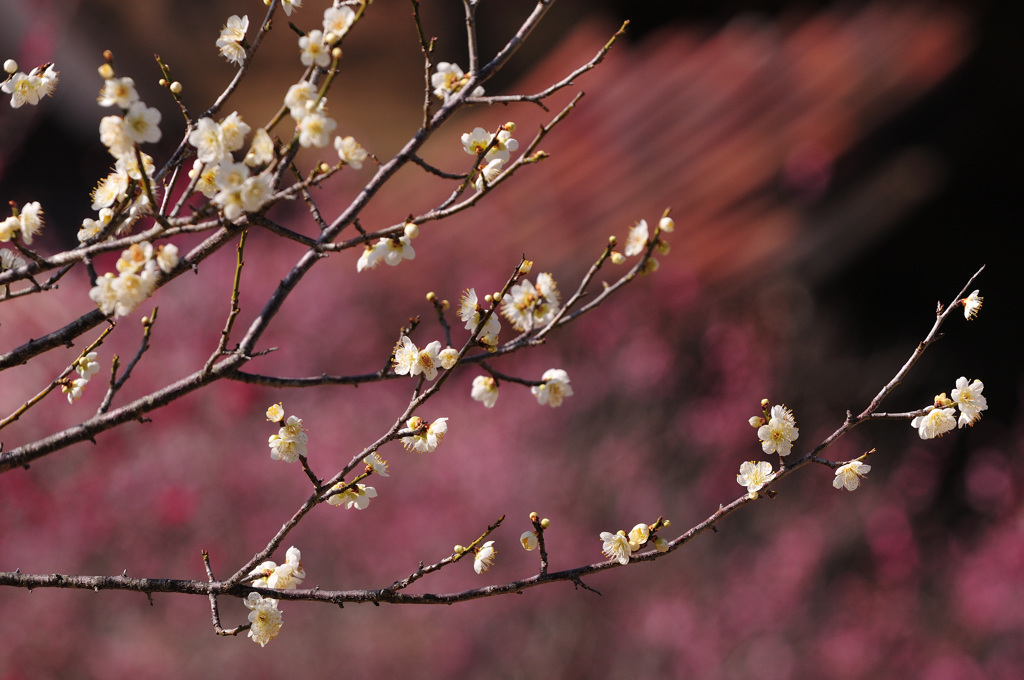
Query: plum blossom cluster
[231, 42]
[620, 546]
[776, 430]
[86, 366]
[129, 186]
[940, 417]
[470, 312]
[449, 79]
[286, 576]
[426, 436]
[229, 184]
[639, 238]
[24, 223]
[29, 88]
[528, 306]
[138, 270]
[290, 441]
[413, 361]
[496, 149]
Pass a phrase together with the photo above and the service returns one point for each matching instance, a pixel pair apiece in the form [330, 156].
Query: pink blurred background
[833, 171]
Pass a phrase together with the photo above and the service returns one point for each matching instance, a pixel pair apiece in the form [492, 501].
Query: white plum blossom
[449, 356]
[393, 251]
[338, 20]
[9, 259]
[427, 360]
[479, 139]
[115, 137]
[275, 413]
[616, 547]
[29, 88]
[470, 312]
[406, 356]
[206, 138]
[358, 498]
[142, 123]
[290, 441]
[231, 37]
[970, 400]
[350, 152]
[118, 92]
[298, 96]
[485, 390]
[233, 131]
[755, 475]
[449, 79]
[376, 464]
[137, 276]
[427, 440]
[87, 366]
[286, 576]
[529, 540]
[935, 423]
[555, 389]
[264, 619]
[528, 306]
[484, 557]
[167, 257]
[371, 256]
[74, 389]
[972, 305]
[779, 433]
[488, 174]
[849, 475]
[289, 5]
[636, 241]
[638, 535]
[314, 49]
[262, 150]
[315, 130]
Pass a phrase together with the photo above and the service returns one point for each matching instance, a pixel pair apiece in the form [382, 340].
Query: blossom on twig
[849, 475]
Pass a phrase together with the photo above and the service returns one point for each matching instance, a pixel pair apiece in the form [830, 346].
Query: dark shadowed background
[834, 170]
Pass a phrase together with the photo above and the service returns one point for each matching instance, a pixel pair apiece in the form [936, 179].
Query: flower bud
[11, 66]
[756, 422]
[431, 296]
[662, 247]
[617, 257]
[529, 540]
[175, 87]
[534, 517]
[459, 549]
[525, 267]
[667, 224]
[412, 230]
[545, 523]
[336, 53]
[106, 71]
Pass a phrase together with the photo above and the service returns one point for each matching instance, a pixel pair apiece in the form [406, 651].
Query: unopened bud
[336, 53]
[11, 66]
[431, 296]
[662, 247]
[612, 241]
[534, 517]
[525, 267]
[176, 87]
[765, 403]
[106, 71]
[412, 230]
[330, 37]
[545, 523]
[324, 168]
[667, 225]
[510, 126]
[756, 422]
[459, 549]
[651, 266]
[162, 82]
[617, 257]
[488, 298]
